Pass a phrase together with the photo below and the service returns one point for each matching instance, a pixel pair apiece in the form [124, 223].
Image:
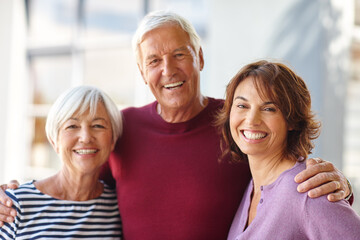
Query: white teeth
[172, 85]
[86, 151]
[254, 136]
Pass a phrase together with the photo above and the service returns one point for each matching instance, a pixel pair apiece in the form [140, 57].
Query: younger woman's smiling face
[257, 125]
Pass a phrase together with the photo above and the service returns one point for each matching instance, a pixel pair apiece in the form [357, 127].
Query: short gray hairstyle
[80, 99]
[158, 19]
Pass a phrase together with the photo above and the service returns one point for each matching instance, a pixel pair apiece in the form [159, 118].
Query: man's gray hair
[158, 19]
[78, 100]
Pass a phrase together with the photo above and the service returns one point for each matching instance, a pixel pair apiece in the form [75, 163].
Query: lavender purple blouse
[283, 213]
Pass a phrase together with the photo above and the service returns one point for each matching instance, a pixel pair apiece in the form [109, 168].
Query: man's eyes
[153, 62]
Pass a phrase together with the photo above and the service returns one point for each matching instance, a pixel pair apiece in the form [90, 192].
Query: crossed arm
[319, 178]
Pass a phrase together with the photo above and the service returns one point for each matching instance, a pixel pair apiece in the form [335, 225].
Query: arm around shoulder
[7, 213]
[8, 229]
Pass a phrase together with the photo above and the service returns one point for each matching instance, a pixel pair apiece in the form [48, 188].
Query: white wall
[13, 91]
[312, 36]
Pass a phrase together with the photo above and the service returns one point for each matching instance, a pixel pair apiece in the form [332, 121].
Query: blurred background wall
[48, 46]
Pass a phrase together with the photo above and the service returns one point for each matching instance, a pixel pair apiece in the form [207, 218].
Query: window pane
[51, 21]
[51, 76]
[113, 70]
[43, 154]
[111, 17]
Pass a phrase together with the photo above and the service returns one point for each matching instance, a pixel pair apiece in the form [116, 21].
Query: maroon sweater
[169, 181]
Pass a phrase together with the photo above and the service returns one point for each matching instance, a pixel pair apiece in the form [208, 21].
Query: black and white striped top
[40, 216]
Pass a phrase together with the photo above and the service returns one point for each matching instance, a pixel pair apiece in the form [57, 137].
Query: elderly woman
[267, 121]
[82, 126]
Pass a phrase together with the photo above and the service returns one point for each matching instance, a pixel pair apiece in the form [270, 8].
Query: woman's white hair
[79, 100]
[158, 19]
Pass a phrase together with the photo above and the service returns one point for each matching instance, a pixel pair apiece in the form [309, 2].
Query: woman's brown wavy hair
[289, 92]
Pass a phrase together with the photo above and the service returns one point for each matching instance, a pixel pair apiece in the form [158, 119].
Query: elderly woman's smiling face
[85, 141]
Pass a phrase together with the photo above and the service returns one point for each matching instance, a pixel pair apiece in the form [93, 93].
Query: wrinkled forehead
[163, 40]
[165, 35]
[168, 26]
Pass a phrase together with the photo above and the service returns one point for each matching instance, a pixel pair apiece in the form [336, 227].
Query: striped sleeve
[42, 216]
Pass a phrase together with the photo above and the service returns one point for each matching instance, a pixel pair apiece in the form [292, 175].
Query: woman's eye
[270, 109]
[71, 127]
[241, 106]
[98, 126]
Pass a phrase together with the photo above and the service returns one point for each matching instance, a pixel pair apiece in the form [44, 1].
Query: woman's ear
[113, 145]
[53, 144]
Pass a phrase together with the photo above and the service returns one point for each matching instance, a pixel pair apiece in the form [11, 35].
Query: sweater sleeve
[8, 231]
[330, 220]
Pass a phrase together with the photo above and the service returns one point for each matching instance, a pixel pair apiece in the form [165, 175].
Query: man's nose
[169, 67]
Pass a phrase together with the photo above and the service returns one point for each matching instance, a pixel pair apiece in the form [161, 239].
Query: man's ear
[141, 72]
[201, 59]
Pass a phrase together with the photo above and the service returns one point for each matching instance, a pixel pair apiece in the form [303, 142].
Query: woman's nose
[85, 135]
[253, 117]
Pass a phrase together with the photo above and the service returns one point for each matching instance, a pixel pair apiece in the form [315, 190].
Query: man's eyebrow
[151, 56]
[181, 49]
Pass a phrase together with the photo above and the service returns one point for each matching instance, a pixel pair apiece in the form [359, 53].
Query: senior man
[169, 180]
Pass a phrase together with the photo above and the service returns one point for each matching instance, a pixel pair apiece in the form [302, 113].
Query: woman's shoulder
[285, 181]
[26, 193]
[304, 203]
[24, 189]
[108, 191]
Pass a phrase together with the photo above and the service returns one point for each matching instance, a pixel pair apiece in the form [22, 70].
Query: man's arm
[320, 178]
[7, 213]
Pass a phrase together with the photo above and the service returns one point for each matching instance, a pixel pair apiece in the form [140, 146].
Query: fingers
[3, 187]
[324, 189]
[325, 182]
[328, 188]
[4, 199]
[320, 178]
[336, 196]
[7, 214]
[314, 166]
[13, 184]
